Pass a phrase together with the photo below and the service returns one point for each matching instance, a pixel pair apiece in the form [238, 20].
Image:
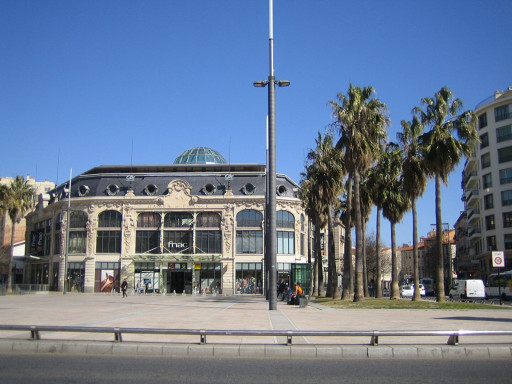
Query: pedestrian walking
[124, 287]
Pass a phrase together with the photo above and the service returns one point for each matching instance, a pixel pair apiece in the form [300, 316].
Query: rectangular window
[508, 240]
[285, 242]
[487, 181]
[489, 222]
[488, 201]
[504, 133]
[484, 140]
[178, 241]
[506, 198]
[486, 160]
[56, 244]
[249, 242]
[482, 121]
[506, 176]
[491, 243]
[504, 154]
[147, 242]
[507, 219]
[501, 113]
[108, 242]
[208, 241]
[77, 242]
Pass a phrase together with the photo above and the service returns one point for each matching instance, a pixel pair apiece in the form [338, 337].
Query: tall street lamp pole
[270, 196]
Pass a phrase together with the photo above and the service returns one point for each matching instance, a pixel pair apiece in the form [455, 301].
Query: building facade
[193, 226]
[487, 186]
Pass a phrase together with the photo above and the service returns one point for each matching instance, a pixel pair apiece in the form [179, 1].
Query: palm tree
[346, 219]
[362, 121]
[443, 152]
[326, 171]
[415, 182]
[395, 205]
[375, 183]
[16, 200]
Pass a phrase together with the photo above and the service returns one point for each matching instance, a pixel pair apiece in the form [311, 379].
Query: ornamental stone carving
[180, 192]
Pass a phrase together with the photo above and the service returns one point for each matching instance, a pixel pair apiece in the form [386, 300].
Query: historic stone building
[193, 226]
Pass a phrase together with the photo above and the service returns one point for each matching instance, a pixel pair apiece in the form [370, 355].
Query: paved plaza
[242, 312]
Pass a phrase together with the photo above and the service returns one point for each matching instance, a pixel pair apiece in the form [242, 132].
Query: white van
[468, 289]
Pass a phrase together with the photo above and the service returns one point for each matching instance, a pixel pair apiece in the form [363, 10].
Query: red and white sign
[498, 259]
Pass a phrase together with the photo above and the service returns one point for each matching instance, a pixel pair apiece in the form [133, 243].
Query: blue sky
[82, 80]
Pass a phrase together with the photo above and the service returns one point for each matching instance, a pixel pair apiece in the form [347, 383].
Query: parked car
[468, 289]
[422, 290]
[406, 291]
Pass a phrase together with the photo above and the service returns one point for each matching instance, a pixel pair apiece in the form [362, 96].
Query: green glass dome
[200, 155]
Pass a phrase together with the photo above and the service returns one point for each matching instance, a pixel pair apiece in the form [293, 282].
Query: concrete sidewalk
[243, 312]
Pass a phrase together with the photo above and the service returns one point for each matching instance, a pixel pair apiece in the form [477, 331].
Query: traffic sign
[498, 259]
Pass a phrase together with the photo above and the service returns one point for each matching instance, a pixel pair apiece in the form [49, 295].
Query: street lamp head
[261, 83]
[283, 83]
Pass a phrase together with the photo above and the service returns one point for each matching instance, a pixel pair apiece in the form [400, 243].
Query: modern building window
[249, 242]
[507, 238]
[285, 242]
[491, 243]
[285, 233]
[489, 223]
[504, 154]
[501, 113]
[486, 160]
[482, 121]
[488, 201]
[506, 198]
[506, 176]
[78, 232]
[108, 239]
[487, 181]
[504, 133]
[250, 238]
[147, 238]
[484, 140]
[77, 242]
[507, 219]
[208, 242]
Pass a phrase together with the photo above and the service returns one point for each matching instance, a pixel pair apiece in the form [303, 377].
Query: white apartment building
[487, 185]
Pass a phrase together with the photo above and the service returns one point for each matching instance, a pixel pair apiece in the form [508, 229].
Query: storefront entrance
[179, 281]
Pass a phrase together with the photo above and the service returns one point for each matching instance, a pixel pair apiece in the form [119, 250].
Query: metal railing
[453, 336]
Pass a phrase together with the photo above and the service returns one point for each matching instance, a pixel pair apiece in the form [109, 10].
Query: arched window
[249, 218]
[77, 220]
[109, 219]
[148, 220]
[208, 219]
[178, 220]
[285, 220]
[109, 240]
[250, 238]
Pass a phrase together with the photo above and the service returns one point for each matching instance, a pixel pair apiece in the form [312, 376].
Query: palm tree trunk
[332, 279]
[377, 250]
[318, 260]
[313, 280]
[347, 254]
[395, 292]
[365, 269]
[358, 294]
[11, 257]
[439, 243]
[417, 296]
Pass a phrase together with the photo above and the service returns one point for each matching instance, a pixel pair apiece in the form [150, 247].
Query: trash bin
[303, 302]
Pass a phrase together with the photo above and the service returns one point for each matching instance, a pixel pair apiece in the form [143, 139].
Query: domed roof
[200, 155]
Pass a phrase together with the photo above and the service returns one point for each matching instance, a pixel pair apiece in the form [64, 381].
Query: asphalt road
[51, 368]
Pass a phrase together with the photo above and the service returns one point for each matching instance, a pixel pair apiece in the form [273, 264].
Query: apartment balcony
[471, 197]
[470, 180]
[474, 231]
[474, 214]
